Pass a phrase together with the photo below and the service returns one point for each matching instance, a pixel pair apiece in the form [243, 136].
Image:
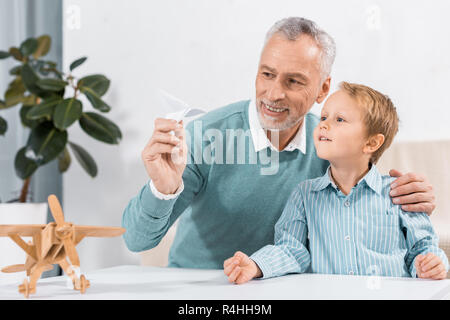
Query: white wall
[206, 53]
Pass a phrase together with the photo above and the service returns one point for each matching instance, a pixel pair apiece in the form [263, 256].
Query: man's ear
[374, 143]
[324, 90]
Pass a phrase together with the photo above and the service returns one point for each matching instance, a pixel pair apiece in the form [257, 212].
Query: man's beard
[269, 124]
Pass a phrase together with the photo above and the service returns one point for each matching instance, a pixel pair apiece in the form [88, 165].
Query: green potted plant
[48, 101]
[49, 105]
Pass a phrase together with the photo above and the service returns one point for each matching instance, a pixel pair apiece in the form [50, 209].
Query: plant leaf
[30, 78]
[4, 54]
[24, 166]
[51, 64]
[77, 63]
[64, 160]
[28, 47]
[16, 70]
[100, 128]
[67, 112]
[44, 44]
[85, 159]
[15, 52]
[29, 100]
[45, 143]
[46, 67]
[44, 110]
[3, 105]
[15, 92]
[13, 98]
[95, 100]
[97, 82]
[28, 122]
[51, 84]
[3, 126]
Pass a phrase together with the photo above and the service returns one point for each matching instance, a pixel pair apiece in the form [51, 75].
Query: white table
[138, 282]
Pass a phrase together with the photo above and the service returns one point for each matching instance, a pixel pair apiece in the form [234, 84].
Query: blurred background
[206, 54]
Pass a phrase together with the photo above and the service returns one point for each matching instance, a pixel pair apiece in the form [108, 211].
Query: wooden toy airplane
[51, 244]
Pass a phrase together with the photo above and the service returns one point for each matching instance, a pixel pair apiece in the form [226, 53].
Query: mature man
[227, 206]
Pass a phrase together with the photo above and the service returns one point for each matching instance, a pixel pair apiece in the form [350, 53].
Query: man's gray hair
[292, 28]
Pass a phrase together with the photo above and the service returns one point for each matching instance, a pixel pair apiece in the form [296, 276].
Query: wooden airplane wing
[94, 231]
[24, 230]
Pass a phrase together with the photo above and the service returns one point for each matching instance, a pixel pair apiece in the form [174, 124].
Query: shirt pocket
[383, 231]
[386, 218]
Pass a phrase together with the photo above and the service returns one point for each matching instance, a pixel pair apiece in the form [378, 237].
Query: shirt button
[347, 238]
[347, 203]
[351, 272]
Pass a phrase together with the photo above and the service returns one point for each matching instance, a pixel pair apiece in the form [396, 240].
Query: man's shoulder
[313, 117]
[312, 120]
[225, 117]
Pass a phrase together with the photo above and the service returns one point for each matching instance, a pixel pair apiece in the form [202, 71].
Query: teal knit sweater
[232, 195]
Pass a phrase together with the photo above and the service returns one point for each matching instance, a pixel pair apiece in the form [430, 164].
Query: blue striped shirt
[322, 230]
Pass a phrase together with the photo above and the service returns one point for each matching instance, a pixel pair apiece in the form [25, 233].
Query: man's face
[288, 81]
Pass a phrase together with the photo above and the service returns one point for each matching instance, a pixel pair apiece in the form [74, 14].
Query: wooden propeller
[21, 267]
[55, 208]
[14, 268]
[64, 230]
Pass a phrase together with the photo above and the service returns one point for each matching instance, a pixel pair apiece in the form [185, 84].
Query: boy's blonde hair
[380, 115]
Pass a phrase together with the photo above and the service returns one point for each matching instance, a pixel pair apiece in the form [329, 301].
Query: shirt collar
[372, 179]
[259, 136]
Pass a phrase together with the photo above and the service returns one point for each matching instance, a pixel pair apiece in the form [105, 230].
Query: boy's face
[341, 134]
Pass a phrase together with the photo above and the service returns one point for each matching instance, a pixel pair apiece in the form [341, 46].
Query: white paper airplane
[180, 109]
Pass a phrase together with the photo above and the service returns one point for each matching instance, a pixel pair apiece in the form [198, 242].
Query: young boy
[345, 222]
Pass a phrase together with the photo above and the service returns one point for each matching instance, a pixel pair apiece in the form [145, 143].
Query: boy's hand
[240, 268]
[430, 266]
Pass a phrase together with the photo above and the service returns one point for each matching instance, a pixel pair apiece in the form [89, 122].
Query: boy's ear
[374, 143]
[324, 90]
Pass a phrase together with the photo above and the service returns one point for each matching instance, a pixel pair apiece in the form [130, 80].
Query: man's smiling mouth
[273, 110]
